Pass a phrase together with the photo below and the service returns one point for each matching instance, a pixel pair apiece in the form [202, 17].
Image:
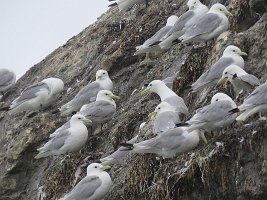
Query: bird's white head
[101, 74]
[232, 50]
[171, 20]
[55, 85]
[106, 95]
[77, 118]
[218, 8]
[154, 86]
[163, 106]
[220, 97]
[96, 168]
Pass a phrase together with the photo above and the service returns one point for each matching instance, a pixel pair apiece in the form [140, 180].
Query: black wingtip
[181, 124]
[177, 41]
[5, 108]
[113, 4]
[126, 145]
[235, 110]
[55, 111]
[155, 43]
[111, 0]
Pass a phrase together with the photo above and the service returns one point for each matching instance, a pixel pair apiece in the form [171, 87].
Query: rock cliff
[232, 165]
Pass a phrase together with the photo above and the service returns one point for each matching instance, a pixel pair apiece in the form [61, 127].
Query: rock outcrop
[231, 166]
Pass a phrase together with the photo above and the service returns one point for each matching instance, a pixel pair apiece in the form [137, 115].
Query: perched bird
[7, 80]
[37, 96]
[214, 116]
[165, 118]
[231, 55]
[150, 44]
[68, 140]
[94, 186]
[196, 11]
[239, 79]
[88, 93]
[166, 95]
[256, 102]
[168, 144]
[126, 5]
[208, 26]
[103, 109]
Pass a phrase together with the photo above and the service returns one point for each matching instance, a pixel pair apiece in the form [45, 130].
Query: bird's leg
[67, 156]
[261, 117]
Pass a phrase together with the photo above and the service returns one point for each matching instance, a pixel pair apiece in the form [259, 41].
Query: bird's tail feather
[127, 145]
[113, 4]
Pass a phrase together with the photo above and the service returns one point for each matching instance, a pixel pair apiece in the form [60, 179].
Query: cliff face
[231, 166]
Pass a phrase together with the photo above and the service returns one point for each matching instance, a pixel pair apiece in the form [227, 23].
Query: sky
[31, 29]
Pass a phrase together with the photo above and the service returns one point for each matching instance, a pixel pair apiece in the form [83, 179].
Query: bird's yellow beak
[105, 167]
[202, 136]
[152, 115]
[145, 91]
[243, 53]
[98, 77]
[115, 97]
[227, 13]
[222, 80]
[87, 120]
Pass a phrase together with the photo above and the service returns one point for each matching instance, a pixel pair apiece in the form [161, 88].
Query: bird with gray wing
[67, 140]
[196, 11]
[256, 102]
[165, 118]
[103, 109]
[94, 186]
[7, 80]
[150, 45]
[88, 93]
[126, 5]
[167, 144]
[208, 26]
[166, 95]
[239, 79]
[231, 55]
[36, 96]
[215, 115]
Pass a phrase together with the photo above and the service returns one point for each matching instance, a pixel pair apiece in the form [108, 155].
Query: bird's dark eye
[234, 50]
[225, 72]
[104, 73]
[106, 93]
[150, 85]
[79, 118]
[159, 108]
[95, 166]
[217, 99]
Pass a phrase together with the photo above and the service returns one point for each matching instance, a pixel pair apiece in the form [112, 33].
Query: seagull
[103, 109]
[167, 144]
[214, 116]
[69, 140]
[195, 12]
[239, 79]
[88, 93]
[256, 102]
[209, 26]
[166, 95]
[165, 118]
[94, 186]
[36, 96]
[150, 44]
[231, 55]
[126, 5]
[7, 80]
